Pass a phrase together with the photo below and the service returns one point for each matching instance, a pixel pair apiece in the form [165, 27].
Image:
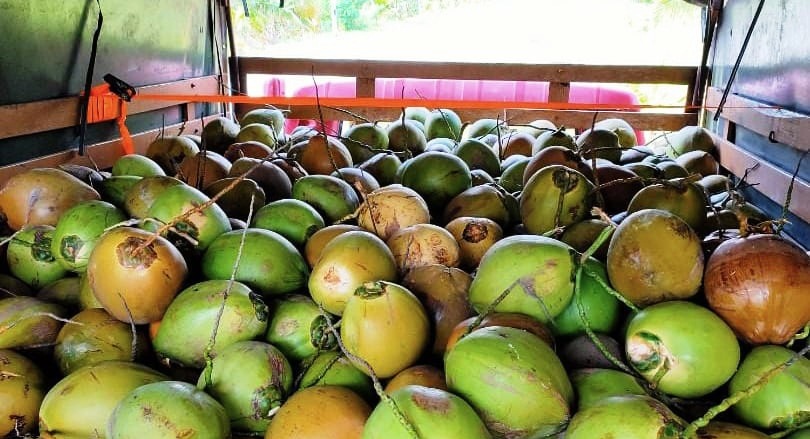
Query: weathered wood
[101, 154]
[559, 91]
[458, 70]
[52, 114]
[779, 125]
[770, 180]
[365, 87]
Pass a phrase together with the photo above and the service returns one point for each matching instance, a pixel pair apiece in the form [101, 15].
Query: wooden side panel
[777, 124]
[456, 70]
[21, 119]
[101, 155]
[770, 180]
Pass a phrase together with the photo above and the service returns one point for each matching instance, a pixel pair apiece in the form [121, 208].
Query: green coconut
[437, 177]
[64, 292]
[332, 197]
[484, 201]
[363, 139]
[297, 328]
[292, 219]
[655, 256]
[600, 308]
[81, 404]
[137, 165]
[556, 196]
[684, 199]
[114, 189]
[593, 385]
[513, 379]
[383, 166]
[332, 368]
[511, 179]
[784, 402]
[433, 413]
[250, 379]
[268, 262]
[78, 230]
[689, 138]
[185, 331]
[202, 226]
[22, 388]
[627, 416]
[29, 322]
[143, 193]
[30, 258]
[536, 271]
[168, 410]
[681, 348]
[478, 155]
[406, 136]
[443, 123]
[219, 133]
[94, 336]
[556, 137]
[272, 117]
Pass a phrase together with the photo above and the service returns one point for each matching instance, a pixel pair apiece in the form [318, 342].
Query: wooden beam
[103, 154]
[783, 126]
[52, 114]
[770, 180]
[365, 87]
[638, 74]
[559, 91]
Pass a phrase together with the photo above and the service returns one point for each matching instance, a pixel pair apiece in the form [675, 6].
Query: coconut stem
[800, 336]
[207, 354]
[603, 236]
[782, 434]
[612, 292]
[133, 347]
[370, 290]
[490, 308]
[13, 323]
[691, 429]
[378, 388]
[185, 215]
[309, 364]
[597, 243]
[786, 207]
[10, 238]
[592, 335]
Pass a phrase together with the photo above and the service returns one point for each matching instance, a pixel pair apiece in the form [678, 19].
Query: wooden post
[559, 91]
[365, 87]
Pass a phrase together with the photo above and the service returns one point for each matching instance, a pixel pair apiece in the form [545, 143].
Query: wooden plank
[559, 91]
[365, 87]
[103, 154]
[771, 181]
[569, 118]
[783, 126]
[637, 74]
[52, 114]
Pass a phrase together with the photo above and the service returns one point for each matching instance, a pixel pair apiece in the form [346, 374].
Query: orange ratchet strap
[105, 105]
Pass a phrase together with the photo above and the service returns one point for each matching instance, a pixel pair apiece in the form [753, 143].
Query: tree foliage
[267, 23]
